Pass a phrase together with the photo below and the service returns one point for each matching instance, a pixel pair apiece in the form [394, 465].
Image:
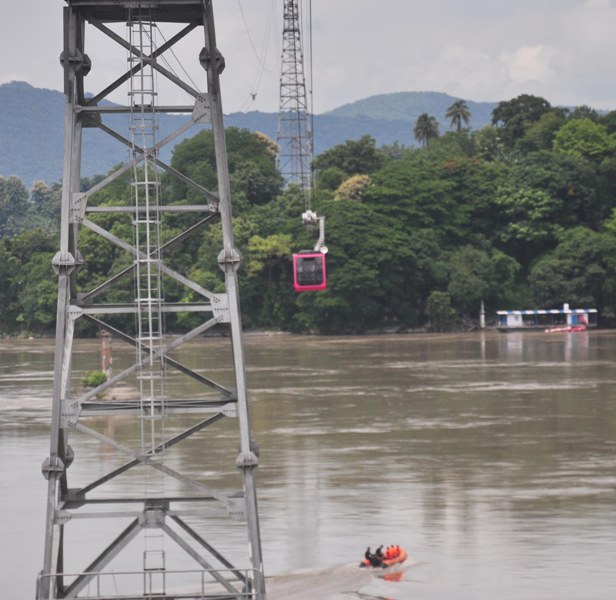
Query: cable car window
[309, 273]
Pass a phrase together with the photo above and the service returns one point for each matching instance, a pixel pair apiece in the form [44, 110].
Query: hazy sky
[562, 50]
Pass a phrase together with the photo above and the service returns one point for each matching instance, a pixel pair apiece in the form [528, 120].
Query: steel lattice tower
[294, 132]
[144, 496]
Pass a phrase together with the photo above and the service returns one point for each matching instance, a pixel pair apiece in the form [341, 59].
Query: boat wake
[318, 584]
[342, 582]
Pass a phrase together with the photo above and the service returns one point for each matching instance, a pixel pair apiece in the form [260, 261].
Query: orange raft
[386, 562]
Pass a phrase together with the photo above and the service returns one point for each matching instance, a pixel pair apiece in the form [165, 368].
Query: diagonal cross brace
[122, 42]
[146, 460]
[86, 298]
[167, 444]
[110, 237]
[104, 558]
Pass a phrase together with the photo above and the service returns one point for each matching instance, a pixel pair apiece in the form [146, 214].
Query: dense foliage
[518, 214]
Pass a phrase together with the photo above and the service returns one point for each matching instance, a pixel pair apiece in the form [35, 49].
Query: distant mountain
[407, 106]
[32, 128]
[388, 118]
[32, 135]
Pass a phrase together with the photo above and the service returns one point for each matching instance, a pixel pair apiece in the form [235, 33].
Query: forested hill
[518, 214]
[31, 128]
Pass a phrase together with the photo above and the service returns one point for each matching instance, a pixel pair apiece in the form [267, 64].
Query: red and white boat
[566, 329]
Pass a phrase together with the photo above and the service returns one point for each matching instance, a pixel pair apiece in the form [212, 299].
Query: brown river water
[490, 457]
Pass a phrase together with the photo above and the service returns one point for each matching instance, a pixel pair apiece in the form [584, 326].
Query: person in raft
[392, 552]
[374, 559]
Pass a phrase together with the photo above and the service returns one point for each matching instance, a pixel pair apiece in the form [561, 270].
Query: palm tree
[426, 128]
[458, 112]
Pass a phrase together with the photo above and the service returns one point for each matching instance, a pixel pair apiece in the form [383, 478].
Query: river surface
[490, 457]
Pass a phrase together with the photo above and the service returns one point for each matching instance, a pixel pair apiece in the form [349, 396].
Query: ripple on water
[506, 386]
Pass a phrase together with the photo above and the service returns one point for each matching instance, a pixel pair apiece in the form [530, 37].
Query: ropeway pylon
[146, 509]
[294, 136]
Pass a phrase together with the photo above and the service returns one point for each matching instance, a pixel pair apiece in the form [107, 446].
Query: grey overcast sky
[484, 50]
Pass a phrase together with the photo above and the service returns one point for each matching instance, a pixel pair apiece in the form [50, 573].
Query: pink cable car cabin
[309, 273]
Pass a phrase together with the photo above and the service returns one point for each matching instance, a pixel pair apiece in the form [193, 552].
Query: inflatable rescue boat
[384, 563]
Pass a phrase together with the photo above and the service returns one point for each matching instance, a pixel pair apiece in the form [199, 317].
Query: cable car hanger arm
[310, 218]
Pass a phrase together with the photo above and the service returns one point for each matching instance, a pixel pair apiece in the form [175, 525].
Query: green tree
[571, 183]
[476, 275]
[9, 269]
[450, 195]
[31, 241]
[44, 208]
[459, 113]
[353, 188]
[487, 144]
[514, 117]
[584, 138]
[584, 112]
[531, 219]
[609, 225]
[37, 294]
[413, 191]
[330, 178]
[269, 301]
[540, 134]
[609, 120]
[29, 297]
[393, 151]
[426, 129]
[252, 167]
[354, 157]
[13, 206]
[440, 312]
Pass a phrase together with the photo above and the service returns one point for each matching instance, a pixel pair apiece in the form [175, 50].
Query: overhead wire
[305, 14]
[162, 58]
[261, 57]
[311, 94]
